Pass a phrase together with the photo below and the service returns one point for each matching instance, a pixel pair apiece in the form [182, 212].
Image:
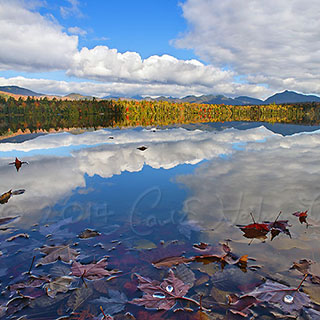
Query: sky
[161, 47]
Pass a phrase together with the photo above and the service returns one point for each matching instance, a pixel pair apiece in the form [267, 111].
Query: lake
[94, 222]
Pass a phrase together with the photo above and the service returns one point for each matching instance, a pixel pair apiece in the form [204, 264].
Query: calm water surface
[152, 194]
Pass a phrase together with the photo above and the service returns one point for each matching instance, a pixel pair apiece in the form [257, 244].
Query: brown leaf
[79, 296]
[4, 198]
[32, 282]
[54, 253]
[18, 163]
[302, 266]
[91, 271]
[224, 256]
[308, 267]
[88, 233]
[20, 235]
[61, 284]
[241, 305]
[171, 261]
[201, 246]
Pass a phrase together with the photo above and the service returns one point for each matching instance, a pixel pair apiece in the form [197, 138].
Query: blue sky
[142, 26]
[160, 47]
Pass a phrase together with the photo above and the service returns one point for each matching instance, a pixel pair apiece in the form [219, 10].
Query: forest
[42, 114]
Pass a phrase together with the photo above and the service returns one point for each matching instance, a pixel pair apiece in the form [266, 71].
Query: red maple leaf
[161, 296]
[302, 215]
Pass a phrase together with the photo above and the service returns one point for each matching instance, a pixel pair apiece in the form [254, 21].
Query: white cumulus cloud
[274, 42]
[32, 42]
[102, 89]
[102, 63]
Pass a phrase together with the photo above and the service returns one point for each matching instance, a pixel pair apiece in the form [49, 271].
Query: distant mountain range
[20, 91]
[278, 98]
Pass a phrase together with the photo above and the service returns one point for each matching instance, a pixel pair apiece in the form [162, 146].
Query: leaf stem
[278, 217]
[104, 315]
[304, 278]
[254, 221]
[194, 301]
[31, 264]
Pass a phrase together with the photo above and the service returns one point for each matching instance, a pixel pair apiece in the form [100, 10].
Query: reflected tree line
[35, 114]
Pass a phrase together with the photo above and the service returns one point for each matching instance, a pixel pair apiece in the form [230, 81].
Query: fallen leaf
[289, 299]
[54, 253]
[114, 304]
[201, 246]
[32, 281]
[20, 235]
[18, 163]
[4, 198]
[161, 296]
[142, 148]
[224, 256]
[171, 261]
[255, 230]
[308, 267]
[185, 274]
[79, 296]
[61, 284]
[91, 271]
[241, 305]
[280, 226]
[302, 215]
[17, 304]
[144, 244]
[302, 266]
[88, 233]
[83, 315]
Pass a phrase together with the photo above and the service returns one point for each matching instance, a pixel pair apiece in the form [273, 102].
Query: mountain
[248, 100]
[219, 99]
[19, 91]
[78, 96]
[278, 98]
[291, 96]
[282, 97]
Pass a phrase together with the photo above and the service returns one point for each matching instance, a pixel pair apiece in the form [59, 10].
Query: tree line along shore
[41, 114]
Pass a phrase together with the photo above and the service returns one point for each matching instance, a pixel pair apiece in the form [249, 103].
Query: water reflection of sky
[214, 176]
[62, 164]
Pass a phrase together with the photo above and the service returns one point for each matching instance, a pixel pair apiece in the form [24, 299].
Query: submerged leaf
[241, 305]
[54, 253]
[114, 304]
[308, 267]
[79, 296]
[88, 233]
[289, 299]
[31, 282]
[61, 284]
[91, 271]
[17, 304]
[161, 296]
[171, 261]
